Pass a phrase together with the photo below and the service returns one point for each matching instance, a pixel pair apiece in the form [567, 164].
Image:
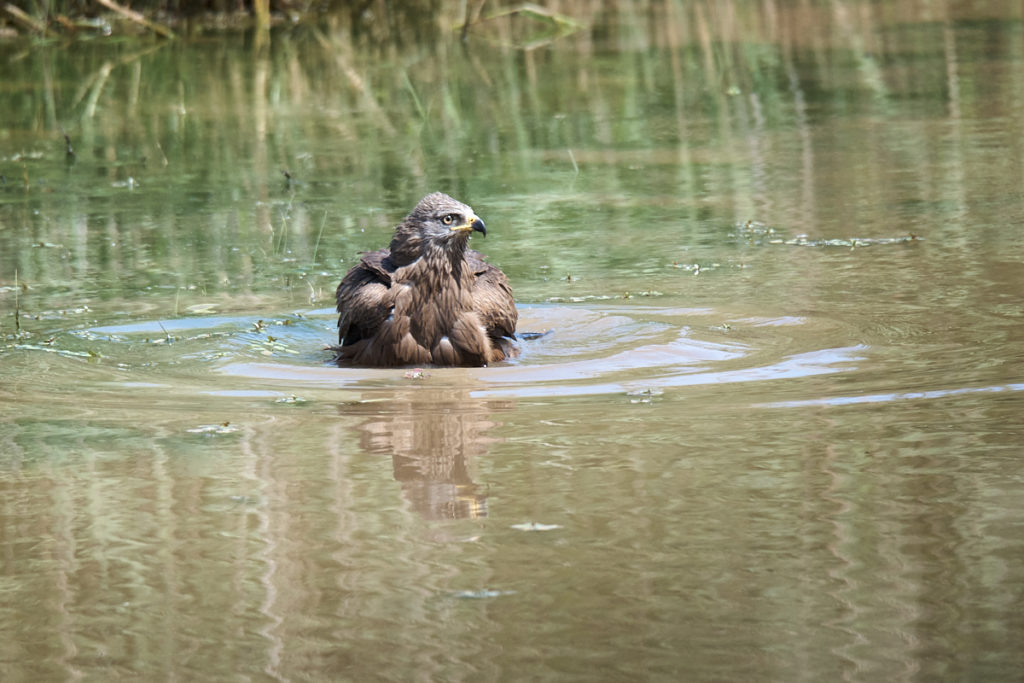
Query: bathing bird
[427, 299]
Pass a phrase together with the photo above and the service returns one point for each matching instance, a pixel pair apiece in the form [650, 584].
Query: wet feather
[427, 298]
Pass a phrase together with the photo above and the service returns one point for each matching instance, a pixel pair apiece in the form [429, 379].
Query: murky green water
[776, 433]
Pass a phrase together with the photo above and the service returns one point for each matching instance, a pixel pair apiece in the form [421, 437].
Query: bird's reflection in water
[433, 437]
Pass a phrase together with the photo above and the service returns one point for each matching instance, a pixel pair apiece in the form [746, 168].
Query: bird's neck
[429, 256]
[449, 258]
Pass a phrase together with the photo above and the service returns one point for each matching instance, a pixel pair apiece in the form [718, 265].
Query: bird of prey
[427, 299]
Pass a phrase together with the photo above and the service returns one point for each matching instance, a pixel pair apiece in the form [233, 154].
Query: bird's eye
[449, 219]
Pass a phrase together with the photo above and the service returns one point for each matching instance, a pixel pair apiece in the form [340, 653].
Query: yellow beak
[472, 223]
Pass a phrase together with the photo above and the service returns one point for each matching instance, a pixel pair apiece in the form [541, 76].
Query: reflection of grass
[632, 132]
[71, 18]
[17, 306]
[525, 26]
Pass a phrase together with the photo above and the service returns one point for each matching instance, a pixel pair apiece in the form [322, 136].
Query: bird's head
[439, 217]
[439, 224]
[438, 221]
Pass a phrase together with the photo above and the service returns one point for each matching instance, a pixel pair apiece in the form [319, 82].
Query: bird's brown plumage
[427, 299]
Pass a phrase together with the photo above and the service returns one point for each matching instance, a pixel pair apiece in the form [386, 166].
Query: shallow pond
[774, 432]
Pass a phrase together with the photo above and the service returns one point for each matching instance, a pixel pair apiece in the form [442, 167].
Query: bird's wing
[492, 297]
[363, 297]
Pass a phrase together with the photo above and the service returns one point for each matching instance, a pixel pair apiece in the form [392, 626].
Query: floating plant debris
[644, 395]
[222, 428]
[804, 241]
[481, 594]
[535, 526]
[291, 400]
[762, 233]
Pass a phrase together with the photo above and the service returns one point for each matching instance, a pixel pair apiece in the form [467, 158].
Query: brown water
[775, 433]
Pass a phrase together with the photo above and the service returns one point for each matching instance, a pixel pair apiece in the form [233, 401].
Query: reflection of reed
[432, 436]
[389, 110]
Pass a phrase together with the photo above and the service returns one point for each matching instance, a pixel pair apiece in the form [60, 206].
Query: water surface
[774, 433]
